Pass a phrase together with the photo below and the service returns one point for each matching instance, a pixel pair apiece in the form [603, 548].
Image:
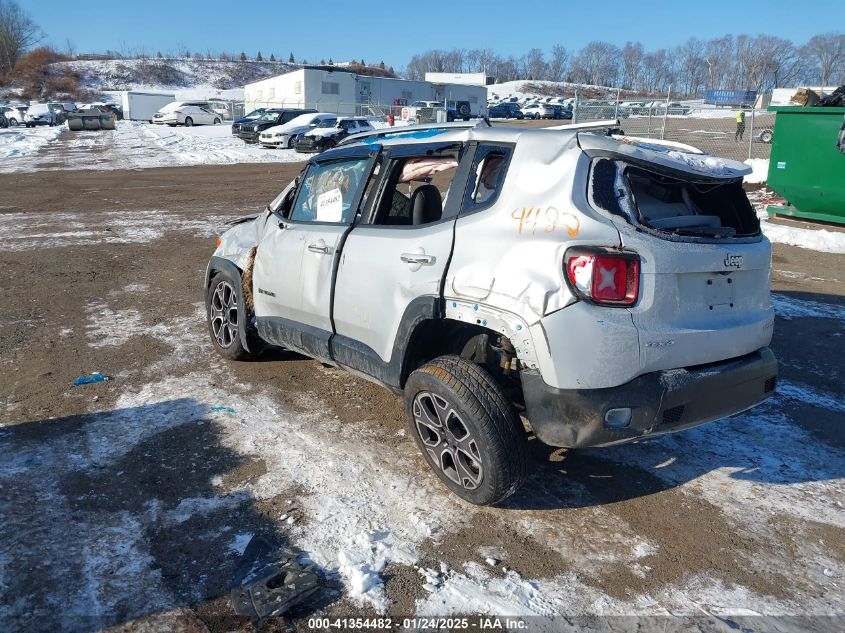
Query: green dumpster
[807, 165]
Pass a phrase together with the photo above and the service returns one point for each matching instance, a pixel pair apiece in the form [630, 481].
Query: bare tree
[632, 64]
[597, 64]
[827, 51]
[17, 33]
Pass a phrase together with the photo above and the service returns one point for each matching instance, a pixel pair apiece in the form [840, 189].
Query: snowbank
[759, 170]
[21, 141]
[820, 240]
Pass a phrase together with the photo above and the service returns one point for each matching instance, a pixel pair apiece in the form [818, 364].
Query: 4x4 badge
[733, 261]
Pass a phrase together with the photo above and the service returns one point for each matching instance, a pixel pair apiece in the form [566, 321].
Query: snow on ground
[16, 142]
[795, 233]
[759, 170]
[821, 240]
[133, 145]
[364, 509]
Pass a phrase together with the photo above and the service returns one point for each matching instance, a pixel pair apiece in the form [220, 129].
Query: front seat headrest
[426, 205]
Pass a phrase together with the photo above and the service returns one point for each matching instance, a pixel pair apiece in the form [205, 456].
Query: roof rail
[589, 125]
[410, 129]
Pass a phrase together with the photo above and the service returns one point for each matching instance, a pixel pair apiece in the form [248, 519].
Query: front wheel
[224, 312]
[466, 429]
[13, 122]
[217, 121]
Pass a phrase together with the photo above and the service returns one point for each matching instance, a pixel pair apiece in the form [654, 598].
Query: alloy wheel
[447, 440]
[224, 314]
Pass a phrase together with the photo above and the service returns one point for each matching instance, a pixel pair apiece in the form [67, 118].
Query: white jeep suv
[598, 289]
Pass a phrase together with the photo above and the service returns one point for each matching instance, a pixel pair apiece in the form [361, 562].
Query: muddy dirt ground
[127, 503]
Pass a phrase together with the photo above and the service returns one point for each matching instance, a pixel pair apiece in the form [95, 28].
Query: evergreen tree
[381, 65]
[158, 55]
[291, 60]
[258, 57]
[243, 56]
[362, 62]
[331, 63]
[272, 57]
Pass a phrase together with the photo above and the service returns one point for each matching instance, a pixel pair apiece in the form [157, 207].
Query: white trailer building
[141, 106]
[348, 93]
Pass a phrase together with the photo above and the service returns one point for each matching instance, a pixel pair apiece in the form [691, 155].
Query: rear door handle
[321, 248]
[418, 258]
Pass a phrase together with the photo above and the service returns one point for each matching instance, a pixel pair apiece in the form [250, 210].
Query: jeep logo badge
[733, 261]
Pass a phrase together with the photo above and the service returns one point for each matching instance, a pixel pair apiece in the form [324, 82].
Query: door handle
[320, 248]
[417, 258]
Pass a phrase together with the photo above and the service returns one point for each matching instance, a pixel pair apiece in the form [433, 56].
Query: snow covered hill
[192, 78]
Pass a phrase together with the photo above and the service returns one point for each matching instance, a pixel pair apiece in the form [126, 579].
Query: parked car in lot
[561, 112]
[329, 133]
[538, 111]
[250, 131]
[285, 135]
[236, 124]
[44, 114]
[640, 308]
[505, 110]
[187, 113]
[14, 114]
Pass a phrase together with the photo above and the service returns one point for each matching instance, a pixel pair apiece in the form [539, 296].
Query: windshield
[301, 120]
[269, 116]
[254, 114]
[327, 123]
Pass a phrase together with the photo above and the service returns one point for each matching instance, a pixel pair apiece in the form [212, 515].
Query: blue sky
[346, 30]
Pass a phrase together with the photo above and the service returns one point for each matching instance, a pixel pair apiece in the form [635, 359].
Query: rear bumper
[661, 401]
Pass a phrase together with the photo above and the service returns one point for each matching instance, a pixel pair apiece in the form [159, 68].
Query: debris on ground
[270, 580]
[223, 409]
[89, 380]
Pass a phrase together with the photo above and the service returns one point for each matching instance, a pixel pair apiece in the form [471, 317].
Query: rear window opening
[673, 203]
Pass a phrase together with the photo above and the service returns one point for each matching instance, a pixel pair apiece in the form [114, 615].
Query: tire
[466, 430]
[464, 111]
[223, 309]
[766, 136]
[291, 142]
[13, 122]
[217, 121]
[189, 122]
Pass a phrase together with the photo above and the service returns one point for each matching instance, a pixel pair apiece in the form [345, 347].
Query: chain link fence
[714, 130]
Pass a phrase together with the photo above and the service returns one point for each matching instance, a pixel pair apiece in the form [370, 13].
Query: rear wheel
[13, 122]
[466, 430]
[188, 121]
[224, 312]
[217, 121]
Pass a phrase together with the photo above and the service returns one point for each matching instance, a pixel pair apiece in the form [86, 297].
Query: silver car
[285, 135]
[603, 288]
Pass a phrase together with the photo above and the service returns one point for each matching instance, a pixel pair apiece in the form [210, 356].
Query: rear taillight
[604, 277]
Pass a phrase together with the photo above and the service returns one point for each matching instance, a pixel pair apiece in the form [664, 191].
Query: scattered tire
[766, 136]
[189, 121]
[466, 430]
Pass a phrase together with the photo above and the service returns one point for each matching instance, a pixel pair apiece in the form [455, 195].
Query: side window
[416, 190]
[328, 192]
[486, 177]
